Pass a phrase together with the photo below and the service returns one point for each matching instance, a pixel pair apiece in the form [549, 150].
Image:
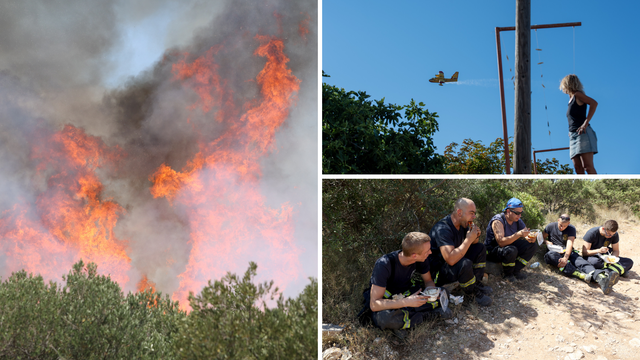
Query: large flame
[75, 222]
[229, 218]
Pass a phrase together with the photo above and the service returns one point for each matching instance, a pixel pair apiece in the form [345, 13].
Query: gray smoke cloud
[57, 56]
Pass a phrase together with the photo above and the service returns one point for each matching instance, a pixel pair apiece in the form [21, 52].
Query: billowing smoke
[237, 194]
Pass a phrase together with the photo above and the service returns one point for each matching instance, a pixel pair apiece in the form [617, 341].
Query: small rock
[621, 315]
[635, 342]
[336, 354]
[591, 349]
[580, 334]
[389, 353]
[576, 355]
[567, 349]
[559, 338]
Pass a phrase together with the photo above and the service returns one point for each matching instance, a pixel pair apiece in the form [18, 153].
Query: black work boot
[606, 282]
[438, 313]
[519, 275]
[482, 299]
[400, 333]
[484, 288]
[616, 276]
[508, 273]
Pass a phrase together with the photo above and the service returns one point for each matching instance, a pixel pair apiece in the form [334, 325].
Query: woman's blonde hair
[570, 84]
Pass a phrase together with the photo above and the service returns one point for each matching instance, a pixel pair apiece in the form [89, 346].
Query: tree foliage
[90, 318]
[614, 193]
[474, 158]
[361, 136]
[230, 319]
[572, 196]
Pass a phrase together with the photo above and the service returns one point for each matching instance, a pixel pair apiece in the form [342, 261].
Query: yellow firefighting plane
[441, 79]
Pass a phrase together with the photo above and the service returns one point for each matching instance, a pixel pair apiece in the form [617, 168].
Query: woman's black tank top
[576, 114]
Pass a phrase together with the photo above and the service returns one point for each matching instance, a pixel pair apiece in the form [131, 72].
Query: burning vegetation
[162, 182]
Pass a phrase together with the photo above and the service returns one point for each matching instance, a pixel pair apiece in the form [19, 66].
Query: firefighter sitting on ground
[394, 298]
[560, 238]
[604, 240]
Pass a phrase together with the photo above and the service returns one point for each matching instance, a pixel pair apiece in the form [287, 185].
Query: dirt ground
[546, 316]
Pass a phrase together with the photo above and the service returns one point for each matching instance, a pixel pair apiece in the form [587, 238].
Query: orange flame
[303, 27]
[30, 247]
[230, 219]
[75, 219]
[231, 223]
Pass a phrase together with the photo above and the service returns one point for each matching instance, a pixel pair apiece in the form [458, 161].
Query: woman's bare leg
[577, 164]
[587, 163]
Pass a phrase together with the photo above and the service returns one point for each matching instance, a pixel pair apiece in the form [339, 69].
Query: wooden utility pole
[522, 128]
[504, 112]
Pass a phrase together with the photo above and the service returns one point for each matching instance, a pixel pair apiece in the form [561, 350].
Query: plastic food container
[431, 293]
[609, 259]
[556, 248]
[533, 234]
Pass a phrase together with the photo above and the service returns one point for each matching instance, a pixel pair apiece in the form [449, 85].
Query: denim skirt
[587, 142]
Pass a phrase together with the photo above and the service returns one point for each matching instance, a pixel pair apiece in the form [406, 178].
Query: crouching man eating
[395, 299]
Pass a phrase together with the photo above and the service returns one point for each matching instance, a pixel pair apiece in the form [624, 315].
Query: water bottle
[535, 265]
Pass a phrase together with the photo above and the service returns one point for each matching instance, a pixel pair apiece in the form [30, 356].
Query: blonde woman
[583, 140]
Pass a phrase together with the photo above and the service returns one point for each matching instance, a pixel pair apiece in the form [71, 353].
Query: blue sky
[391, 50]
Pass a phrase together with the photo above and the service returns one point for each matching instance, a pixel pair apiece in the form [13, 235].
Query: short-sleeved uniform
[560, 238]
[466, 271]
[396, 278]
[514, 256]
[389, 265]
[597, 241]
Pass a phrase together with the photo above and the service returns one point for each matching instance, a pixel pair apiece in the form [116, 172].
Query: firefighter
[560, 237]
[604, 240]
[394, 299]
[508, 242]
[457, 254]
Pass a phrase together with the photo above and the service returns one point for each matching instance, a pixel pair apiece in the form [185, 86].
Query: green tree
[88, 318]
[361, 136]
[560, 195]
[474, 158]
[230, 319]
[615, 193]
